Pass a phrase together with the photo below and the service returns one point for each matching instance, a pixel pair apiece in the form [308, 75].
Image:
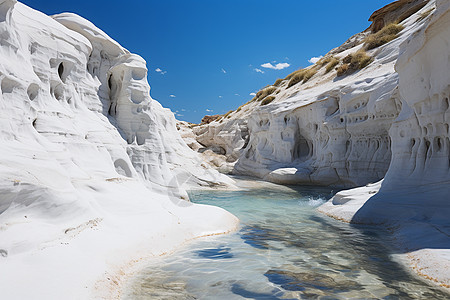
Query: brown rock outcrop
[395, 12]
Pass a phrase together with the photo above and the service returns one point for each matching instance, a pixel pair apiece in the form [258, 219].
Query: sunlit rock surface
[91, 167]
[330, 130]
[384, 128]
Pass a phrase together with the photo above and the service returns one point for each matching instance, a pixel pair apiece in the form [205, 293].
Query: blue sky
[203, 56]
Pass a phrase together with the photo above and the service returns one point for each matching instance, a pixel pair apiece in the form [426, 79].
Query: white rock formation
[416, 187]
[389, 120]
[329, 131]
[420, 166]
[90, 165]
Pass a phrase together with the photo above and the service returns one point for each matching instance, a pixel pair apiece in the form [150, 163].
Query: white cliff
[329, 130]
[91, 166]
[416, 188]
[385, 127]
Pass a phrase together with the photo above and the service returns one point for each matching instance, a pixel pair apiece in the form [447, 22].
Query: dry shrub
[293, 74]
[347, 59]
[342, 70]
[278, 82]
[333, 62]
[227, 115]
[267, 100]
[296, 77]
[324, 61]
[353, 62]
[385, 35]
[425, 14]
[360, 60]
[265, 92]
[309, 73]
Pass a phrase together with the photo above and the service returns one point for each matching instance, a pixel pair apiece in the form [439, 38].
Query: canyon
[94, 172]
[381, 130]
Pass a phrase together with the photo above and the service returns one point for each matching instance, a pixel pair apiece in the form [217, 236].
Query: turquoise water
[284, 249]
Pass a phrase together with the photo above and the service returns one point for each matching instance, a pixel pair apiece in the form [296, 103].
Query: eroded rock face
[340, 138]
[420, 136]
[209, 119]
[157, 152]
[84, 102]
[395, 12]
[330, 130]
[418, 178]
[91, 167]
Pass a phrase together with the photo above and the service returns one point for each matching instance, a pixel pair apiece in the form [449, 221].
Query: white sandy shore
[88, 257]
[90, 164]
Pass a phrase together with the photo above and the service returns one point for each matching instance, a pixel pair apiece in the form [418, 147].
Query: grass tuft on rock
[360, 60]
[228, 114]
[296, 77]
[333, 62]
[309, 73]
[342, 70]
[353, 62]
[385, 35]
[278, 82]
[265, 92]
[267, 100]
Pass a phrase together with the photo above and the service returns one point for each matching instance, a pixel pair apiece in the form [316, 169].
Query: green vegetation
[267, 100]
[385, 35]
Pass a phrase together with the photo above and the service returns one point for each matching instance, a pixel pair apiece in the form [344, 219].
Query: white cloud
[179, 115]
[183, 109]
[279, 66]
[223, 71]
[220, 97]
[313, 60]
[209, 110]
[258, 70]
[160, 71]
[253, 94]
[172, 96]
[236, 94]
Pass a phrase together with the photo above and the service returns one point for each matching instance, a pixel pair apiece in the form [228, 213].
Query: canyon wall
[331, 129]
[91, 167]
[416, 186]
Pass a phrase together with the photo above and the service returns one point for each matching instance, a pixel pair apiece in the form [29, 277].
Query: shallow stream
[284, 249]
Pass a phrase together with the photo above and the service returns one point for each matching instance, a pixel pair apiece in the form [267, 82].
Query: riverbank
[89, 256]
[289, 250]
[423, 243]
